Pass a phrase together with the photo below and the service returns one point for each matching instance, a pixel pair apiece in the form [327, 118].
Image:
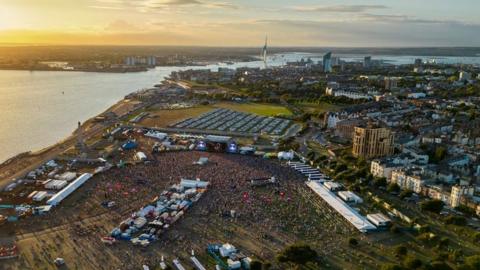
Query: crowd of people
[269, 217]
[276, 214]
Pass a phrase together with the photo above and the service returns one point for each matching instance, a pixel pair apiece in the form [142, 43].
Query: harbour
[36, 101]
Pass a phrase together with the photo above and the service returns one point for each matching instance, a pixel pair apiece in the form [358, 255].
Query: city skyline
[348, 23]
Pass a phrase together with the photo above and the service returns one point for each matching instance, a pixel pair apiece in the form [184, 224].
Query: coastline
[20, 164]
[120, 70]
[76, 70]
[24, 153]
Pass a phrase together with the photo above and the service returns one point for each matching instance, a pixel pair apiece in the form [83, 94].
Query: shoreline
[20, 164]
[32, 153]
[123, 70]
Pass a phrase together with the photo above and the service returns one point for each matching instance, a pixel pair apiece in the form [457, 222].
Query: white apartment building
[410, 181]
[458, 192]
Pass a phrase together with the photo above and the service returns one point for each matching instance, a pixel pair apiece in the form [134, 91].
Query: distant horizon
[233, 46]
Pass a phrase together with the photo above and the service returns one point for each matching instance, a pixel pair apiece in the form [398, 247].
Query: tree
[424, 229]
[340, 168]
[443, 242]
[440, 153]
[352, 242]
[455, 220]
[255, 265]
[472, 262]
[411, 262]
[391, 267]
[405, 193]
[297, 254]
[401, 251]
[437, 265]
[465, 209]
[434, 206]
[476, 237]
[427, 238]
[380, 182]
[393, 187]
[394, 229]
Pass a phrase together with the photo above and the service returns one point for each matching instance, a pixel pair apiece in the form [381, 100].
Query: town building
[345, 128]
[464, 76]
[458, 193]
[346, 93]
[370, 142]
[408, 179]
[367, 62]
[391, 83]
[327, 62]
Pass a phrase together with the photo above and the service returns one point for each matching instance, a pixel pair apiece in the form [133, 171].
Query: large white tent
[60, 196]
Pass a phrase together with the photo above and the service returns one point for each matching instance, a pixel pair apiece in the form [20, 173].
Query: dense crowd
[271, 216]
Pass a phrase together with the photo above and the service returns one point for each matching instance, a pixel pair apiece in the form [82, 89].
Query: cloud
[158, 5]
[391, 33]
[340, 8]
[404, 19]
[176, 2]
[106, 7]
[121, 26]
[93, 38]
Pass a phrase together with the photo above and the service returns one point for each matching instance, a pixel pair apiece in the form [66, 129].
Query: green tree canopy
[297, 254]
[434, 206]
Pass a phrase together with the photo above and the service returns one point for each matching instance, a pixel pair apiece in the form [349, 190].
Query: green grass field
[318, 107]
[256, 108]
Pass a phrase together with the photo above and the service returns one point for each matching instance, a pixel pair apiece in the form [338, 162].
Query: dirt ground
[268, 218]
[164, 118]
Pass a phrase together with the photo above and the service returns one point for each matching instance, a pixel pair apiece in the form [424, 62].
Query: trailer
[297, 167]
[40, 196]
[178, 265]
[258, 182]
[318, 179]
[108, 240]
[309, 171]
[197, 263]
[55, 184]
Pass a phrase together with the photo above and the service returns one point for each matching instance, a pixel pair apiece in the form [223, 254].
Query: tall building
[391, 83]
[418, 62]
[151, 61]
[335, 61]
[130, 61]
[367, 62]
[370, 142]
[264, 52]
[327, 62]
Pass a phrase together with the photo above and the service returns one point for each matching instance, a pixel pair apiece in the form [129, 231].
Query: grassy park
[318, 107]
[165, 117]
[256, 108]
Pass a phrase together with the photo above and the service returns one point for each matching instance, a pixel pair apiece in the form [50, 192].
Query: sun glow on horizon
[240, 23]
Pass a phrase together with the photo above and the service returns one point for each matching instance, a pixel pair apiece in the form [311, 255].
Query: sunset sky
[347, 23]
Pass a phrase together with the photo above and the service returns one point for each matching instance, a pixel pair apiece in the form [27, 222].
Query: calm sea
[40, 108]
